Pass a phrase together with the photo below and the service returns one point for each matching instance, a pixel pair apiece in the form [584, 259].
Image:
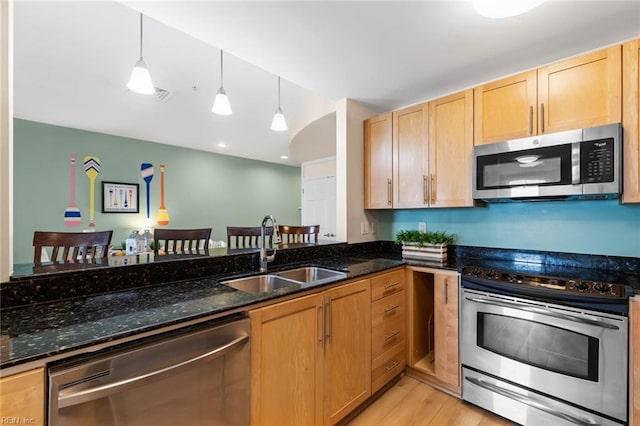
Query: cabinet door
[347, 349]
[581, 92]
[22, 398]
[506, 109]
[634, 361]
[630, 122]
[410, 157]
[286, 362]
[447, 366]
[378, 165]
[451, 150]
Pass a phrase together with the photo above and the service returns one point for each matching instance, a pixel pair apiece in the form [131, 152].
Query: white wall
[350, 173]
[6, 139]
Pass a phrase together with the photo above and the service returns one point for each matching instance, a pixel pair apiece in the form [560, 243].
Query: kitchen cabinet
[388, 328]
[451, 150]
[634, 361]
[433, 327]
[630, 121]
[410, 157]
[22, 398]
[378, 166]
[584, 91]
[311, 357]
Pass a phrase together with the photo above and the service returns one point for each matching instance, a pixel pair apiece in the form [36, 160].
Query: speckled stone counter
[51, 316]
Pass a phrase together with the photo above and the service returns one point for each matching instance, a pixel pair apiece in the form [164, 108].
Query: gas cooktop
[544, 283]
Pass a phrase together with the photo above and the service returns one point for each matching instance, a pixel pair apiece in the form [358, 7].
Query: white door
[319, 205]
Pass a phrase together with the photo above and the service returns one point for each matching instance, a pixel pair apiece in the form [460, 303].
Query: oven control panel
[567, 285]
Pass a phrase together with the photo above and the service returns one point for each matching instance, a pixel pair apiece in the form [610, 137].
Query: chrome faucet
[264, 257]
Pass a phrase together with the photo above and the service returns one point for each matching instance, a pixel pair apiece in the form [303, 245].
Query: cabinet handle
[391, 335]
[433, 191]
[390, 309]
[392, 367]
[446, 291]
[425, 191]
[330, 330]
[531, 119]
[389, 191]
[541, 118]
[321, 310]
[390, 286]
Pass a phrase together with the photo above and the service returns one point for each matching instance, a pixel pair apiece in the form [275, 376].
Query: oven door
[565, 353]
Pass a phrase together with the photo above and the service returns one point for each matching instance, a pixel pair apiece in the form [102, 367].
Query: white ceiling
[73, 59]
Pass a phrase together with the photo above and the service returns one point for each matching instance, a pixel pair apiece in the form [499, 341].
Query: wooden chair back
[71, 246]
[299, 234]
[181, 240]
[247, 236]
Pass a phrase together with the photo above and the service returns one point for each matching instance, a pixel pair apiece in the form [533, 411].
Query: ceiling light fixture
[504, 8]
[279, 124]
[221, 104]
[140, 80]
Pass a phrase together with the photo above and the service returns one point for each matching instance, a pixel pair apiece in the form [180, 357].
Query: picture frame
[120, 197]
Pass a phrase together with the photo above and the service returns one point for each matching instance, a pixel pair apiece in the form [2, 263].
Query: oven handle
[110, 388]
[544, 311]
[530, 400]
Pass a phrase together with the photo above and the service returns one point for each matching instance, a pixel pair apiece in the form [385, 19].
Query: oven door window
[539, 167]
[541, 345]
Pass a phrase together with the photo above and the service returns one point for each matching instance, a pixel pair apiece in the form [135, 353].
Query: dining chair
[247, 236]
[181, 240]
[68, 247]
[299, 234]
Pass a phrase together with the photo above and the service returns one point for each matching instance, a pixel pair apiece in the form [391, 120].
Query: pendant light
[221, 104]
[504, 8]
[140, 80]
[279, 124]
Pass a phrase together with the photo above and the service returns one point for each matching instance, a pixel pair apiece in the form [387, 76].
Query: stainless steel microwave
[576, 164]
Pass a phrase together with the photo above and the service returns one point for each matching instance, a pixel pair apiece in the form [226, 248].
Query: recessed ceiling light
[222, 145]
[283, 157]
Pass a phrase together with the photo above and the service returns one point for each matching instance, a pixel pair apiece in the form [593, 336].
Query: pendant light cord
[221, 68]
[278, 91]
[141, 36]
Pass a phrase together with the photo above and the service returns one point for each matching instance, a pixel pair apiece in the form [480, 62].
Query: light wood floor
[411, 402]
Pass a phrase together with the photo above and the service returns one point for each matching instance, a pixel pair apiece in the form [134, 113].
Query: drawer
[387, 366]
[388, 309]
[387, 335]
[386, 284]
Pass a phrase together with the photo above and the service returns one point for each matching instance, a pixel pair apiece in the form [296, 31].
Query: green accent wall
[202, 189]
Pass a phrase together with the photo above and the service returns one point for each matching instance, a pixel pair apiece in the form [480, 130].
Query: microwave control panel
[596, 161]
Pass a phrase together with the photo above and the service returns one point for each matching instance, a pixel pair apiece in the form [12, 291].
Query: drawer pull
[391, 335]
[392, 367]
[390, 286]
[390, 309]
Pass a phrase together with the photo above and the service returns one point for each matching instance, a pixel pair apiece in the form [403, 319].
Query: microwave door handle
[543, 311]
[111, 388]
[530, 400]
[575, 163]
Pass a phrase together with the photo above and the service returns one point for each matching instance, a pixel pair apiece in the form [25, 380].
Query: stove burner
[551, 284]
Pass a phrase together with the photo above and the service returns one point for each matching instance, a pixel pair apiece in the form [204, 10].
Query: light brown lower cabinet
[311, 357]
[22, 398]
[432, 299]
[634, 361]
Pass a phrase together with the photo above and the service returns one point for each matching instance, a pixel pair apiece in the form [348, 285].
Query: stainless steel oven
[540, 362]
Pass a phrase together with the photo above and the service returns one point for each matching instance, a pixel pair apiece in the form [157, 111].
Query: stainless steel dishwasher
[197, 377]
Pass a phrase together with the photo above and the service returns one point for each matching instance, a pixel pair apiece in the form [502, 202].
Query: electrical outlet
[372, 227]
[422, 226]
[364, 228]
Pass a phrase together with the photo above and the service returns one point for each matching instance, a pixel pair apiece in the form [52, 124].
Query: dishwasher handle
[110, 388]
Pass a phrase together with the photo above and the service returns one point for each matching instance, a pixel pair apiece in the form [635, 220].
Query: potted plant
[424, 245]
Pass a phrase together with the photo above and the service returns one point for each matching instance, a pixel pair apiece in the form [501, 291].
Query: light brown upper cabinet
[630, 122]
[579, 92]
[450, 150]
[410, 162]
[378, 168]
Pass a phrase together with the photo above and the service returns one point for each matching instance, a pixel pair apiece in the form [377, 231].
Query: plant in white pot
[424, 245]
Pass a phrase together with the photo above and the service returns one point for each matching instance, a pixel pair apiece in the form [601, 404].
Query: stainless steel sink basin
[312, 274]
[260, 283]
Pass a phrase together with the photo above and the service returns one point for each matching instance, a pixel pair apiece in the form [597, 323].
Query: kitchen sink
[260, 283]
[312, 274]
